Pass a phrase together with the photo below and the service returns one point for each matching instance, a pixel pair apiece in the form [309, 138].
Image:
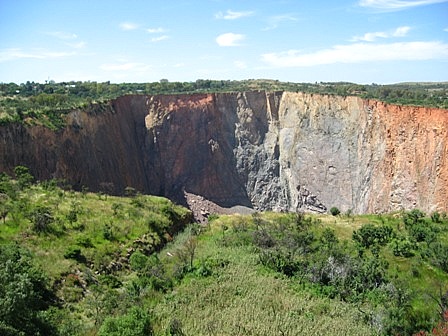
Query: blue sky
[362, 41]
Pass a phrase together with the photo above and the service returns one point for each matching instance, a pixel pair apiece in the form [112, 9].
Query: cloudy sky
[362, 41]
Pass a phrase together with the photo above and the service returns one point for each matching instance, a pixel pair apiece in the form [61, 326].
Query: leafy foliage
[136, 322]
[335, 211]
[41, 217]
[24, 294]
[267, 273]
[48, 103]
[369, 235]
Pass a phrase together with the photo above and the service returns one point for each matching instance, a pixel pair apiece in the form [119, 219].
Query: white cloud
[69, 39]
[16, 53]
[275, 21]
[446, 29]
[130, 66]
[401, 31]
[160, 38]
[128, 26]
[370, 37]
[77, 45]
[63, 35]
[156, 30]
[231, 15]
[229, 39]
[360, 52]
[392, 5]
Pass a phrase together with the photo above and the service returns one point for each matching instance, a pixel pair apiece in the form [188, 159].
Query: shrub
[84, 241]
[436, 218]
[130, 192]
[329, 238]
[108, 233]
[440, 256]
[370, 234]
[41, 218]
[23, 176]
[402, 247]
[138, 261]
[335, 211]
[136, 322]
[110, 281]
[72, 216]
[116, 208]
[422, 232]
[24, 295]
[413, 217]
[138, 202]
[74, 252]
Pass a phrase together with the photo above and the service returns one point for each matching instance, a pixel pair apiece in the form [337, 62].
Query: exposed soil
[202, 208]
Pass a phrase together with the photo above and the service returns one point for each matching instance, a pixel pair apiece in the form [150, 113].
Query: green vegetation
[46, 104]
[79, 264]
[335, 211]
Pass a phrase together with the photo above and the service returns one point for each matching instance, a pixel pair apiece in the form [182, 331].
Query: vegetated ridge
[79, 263]
[280, 150]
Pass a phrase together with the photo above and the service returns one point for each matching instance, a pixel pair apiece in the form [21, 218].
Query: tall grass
[240, 297]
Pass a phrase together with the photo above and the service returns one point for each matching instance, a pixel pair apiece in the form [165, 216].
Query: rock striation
[280, 151]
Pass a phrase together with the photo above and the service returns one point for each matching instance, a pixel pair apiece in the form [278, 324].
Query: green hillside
[79, 263]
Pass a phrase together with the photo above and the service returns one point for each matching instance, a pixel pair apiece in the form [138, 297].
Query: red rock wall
[281, 151]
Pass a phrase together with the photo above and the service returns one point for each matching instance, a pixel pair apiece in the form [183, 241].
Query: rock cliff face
[280, 151]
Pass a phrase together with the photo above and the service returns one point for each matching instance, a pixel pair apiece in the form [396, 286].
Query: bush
[436, 218]
[41, 218]
[440, 256]
[413, 217]
[24, 295]
[136, 322]
[369, 235]
[108, 232]
[84, 241]
[23, 176]
[138, 261]
[74, 252]
[335, 211]
[402, 247]
[110, 281]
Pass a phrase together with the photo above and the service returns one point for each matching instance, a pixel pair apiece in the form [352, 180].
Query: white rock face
[278, 151]
[304, 152]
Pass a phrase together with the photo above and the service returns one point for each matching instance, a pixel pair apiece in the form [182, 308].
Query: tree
[23, 176]
[7, 186]
[335, 211]
[41, 218]
[369, 235]
[24, 294]
[187, 252]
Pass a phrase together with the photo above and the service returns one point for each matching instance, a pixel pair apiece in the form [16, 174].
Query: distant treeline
[45, 102]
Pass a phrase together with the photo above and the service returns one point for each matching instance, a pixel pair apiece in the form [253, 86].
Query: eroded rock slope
[280, 150]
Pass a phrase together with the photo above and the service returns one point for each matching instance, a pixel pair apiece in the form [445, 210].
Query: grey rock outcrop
[278, 151]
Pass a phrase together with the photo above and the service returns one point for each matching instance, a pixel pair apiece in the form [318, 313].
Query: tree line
[47, 102]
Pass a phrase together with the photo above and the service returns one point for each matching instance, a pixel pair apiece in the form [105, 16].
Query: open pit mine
[278, 151]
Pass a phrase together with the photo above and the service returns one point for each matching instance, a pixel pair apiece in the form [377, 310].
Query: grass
[95, 215]
[228, 291]
[243, 298]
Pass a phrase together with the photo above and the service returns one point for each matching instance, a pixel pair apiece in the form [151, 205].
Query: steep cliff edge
[280, 150]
